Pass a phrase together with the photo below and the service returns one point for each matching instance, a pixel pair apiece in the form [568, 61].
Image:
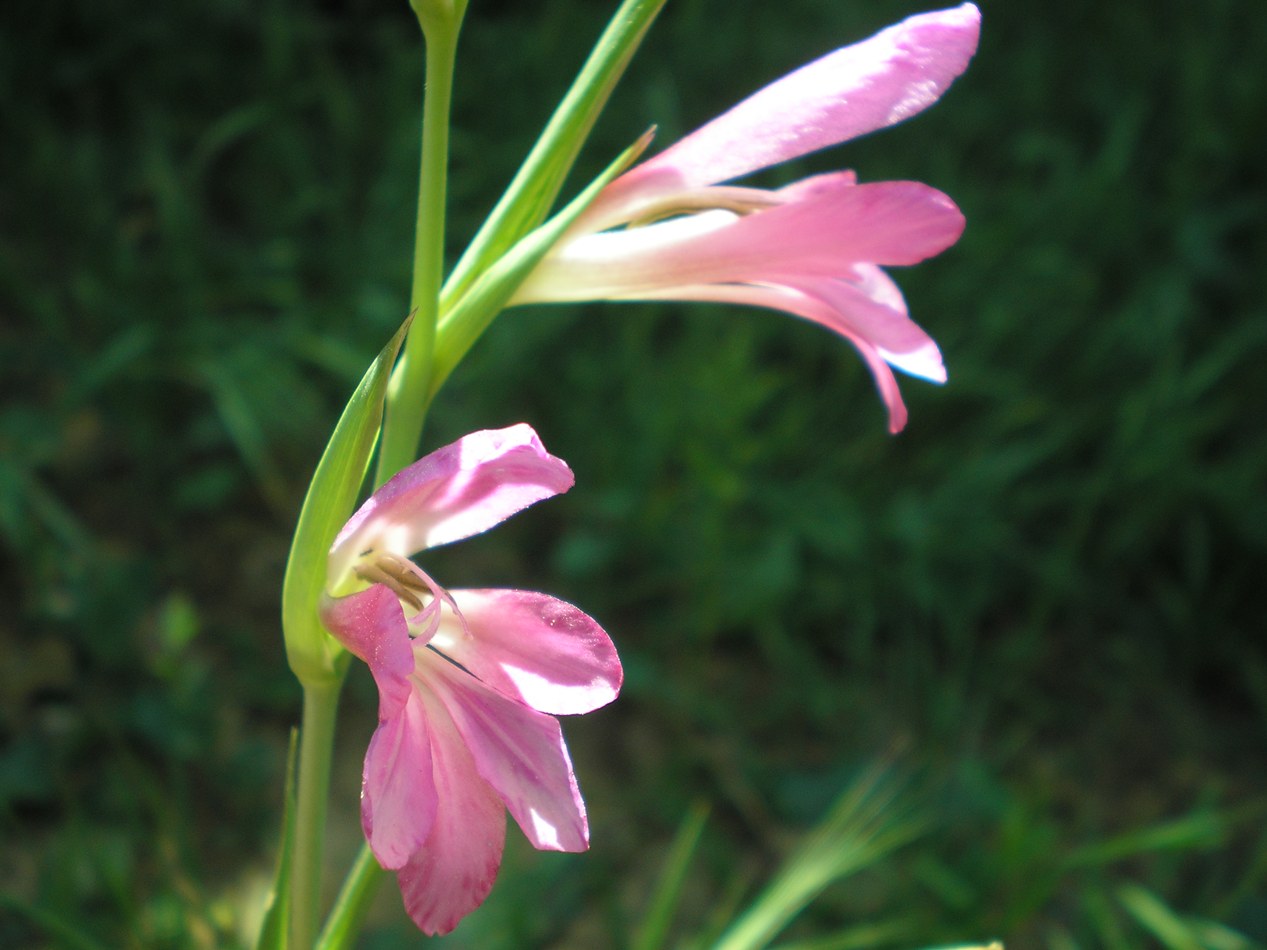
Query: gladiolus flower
[469, 681]
[669, 230]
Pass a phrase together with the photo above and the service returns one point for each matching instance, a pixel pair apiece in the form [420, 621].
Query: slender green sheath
[316, 745]
[409, 397]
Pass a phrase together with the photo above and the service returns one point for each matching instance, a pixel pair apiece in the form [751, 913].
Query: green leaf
[536, 185]
[1201, 829]
[862, 828]
[460, 327]
[1151, 913]
[331, 495]
[353, 903]
[659, 916]
[275, 929]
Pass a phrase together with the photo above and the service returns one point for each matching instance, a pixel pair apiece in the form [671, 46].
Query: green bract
[332, 494]
[471, 315]
[536, 185]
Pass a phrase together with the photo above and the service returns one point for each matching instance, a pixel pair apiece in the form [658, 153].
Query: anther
[394, 573]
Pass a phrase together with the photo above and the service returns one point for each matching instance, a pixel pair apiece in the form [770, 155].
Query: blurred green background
[1039, 608]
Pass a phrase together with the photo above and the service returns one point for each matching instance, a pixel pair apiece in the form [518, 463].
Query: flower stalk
[316, 746]
[409, 396]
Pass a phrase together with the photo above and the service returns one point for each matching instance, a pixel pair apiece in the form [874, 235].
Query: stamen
[395, 573]
[740, 201]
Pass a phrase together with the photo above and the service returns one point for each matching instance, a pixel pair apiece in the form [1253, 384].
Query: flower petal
[398, 793]
[859, 319]
[453, 871]
[867, 86]
[909, 348]
[453, 493]
[828, 227]
[885, 222]
[886, 385]
[533, 648]
[371, 623]
[852, 309]
[519, 752]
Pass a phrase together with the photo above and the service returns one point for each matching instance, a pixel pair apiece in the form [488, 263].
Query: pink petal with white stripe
[453, 871]
[460, 490]
[818, 235]
[520, 753]
[855, 90]
[902, 342]
[533, 648]
[398, 792]
[371, 624]
[849, 312]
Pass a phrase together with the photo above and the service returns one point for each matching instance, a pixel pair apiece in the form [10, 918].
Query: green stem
[406, 407]
[353, 902]
[409, 397]
[316, 745]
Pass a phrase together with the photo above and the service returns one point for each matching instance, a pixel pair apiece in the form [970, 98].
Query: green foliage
[1042, 598]
[860, 831]
[275, 927]
[657, 919]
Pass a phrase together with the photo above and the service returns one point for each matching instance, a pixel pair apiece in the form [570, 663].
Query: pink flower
[668, 230]
[469, 681]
